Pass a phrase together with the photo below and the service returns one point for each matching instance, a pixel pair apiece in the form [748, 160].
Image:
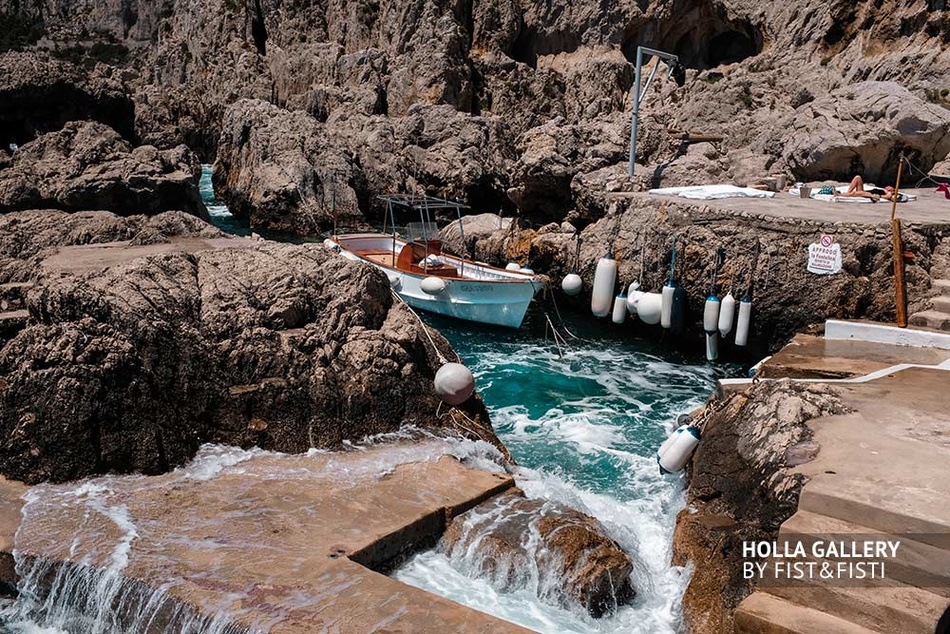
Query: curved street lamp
[676, 71]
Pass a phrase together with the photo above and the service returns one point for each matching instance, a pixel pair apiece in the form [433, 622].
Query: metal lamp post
[640, 94]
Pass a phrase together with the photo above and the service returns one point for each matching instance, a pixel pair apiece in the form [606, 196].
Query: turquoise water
[221, 217]
[583, 423]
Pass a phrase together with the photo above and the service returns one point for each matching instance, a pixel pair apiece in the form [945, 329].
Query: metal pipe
[639, 94]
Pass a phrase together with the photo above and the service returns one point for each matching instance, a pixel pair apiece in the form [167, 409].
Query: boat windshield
[422, 231]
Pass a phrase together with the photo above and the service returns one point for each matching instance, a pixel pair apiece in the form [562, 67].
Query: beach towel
[712, 192]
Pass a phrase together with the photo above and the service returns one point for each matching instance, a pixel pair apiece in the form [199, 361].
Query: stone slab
[287, 542]
[929, 208]
[762, 613]
[808, 356]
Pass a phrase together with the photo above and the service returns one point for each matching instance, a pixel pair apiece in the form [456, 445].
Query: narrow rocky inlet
[212, 422]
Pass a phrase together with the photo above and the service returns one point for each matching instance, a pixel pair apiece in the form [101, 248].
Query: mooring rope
[425, 330]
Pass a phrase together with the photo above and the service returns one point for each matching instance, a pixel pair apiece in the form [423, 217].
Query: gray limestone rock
[131, 366]
[87, 166]
[861, 128]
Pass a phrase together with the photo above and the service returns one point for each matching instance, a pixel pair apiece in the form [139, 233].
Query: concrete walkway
[883, 472]
[929, 208]
[284, 543]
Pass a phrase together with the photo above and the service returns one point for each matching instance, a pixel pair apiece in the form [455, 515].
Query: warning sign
[824, 257]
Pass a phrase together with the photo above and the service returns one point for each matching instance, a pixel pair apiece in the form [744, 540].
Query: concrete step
[941, 304]
[762, 613]
[941, 286]
[931, 319]
[918, 564]
[12, 322]
[13, 295]
[893, 603]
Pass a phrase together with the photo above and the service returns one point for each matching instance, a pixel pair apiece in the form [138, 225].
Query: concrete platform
[808, 356]
[284, 543]
[929, 208]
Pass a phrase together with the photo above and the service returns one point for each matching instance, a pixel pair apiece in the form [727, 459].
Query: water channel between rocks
[583, 424]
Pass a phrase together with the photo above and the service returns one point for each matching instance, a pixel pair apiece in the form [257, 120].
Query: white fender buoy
[526, 270]
[649, 308]
[572, 284]
[727, 314]
[394, 281]
[620, 309]
[712, 346]
[742, 324]
[432, 285]
[454, 383]
[633, 299]
[666, 309]
[679, 452]
[601, 299]
[711, 314]
[512, 266]
[669, 442]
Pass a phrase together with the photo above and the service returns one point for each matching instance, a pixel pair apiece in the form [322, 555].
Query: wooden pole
[900, 292]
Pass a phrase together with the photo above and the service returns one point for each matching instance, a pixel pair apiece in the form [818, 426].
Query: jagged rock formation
[741, 488]
[550, 80]
[518, 543]
[130, 366]
[88, 166]
[39, 94]
[285, 170]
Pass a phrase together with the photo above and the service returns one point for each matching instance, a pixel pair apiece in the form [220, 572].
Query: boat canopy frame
[424, 205]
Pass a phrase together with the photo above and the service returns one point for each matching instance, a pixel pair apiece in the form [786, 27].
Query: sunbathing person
[856, 190]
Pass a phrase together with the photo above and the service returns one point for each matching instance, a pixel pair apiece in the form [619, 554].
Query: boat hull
[500, 298]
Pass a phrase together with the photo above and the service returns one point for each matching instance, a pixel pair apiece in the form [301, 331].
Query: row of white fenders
[720, 316]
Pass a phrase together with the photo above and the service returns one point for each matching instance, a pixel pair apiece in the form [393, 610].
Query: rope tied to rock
[425, 331]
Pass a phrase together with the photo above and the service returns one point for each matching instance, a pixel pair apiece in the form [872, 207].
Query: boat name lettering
[478, 288]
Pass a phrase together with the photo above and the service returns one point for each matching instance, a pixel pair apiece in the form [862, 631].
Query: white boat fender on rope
[680, 450]
[394, 281]
[633, 297]
[454, 383]
[620, 309]
[712, 346]
[742, 324]
[669, 441]
[605, 277]
[512, 266]
[727, 314]
[678, 316]
[432, 285]
[572, 284]
[666, 308]
[649, 308]
[711, 314]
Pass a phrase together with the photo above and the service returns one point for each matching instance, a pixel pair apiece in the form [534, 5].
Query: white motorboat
[430, 279]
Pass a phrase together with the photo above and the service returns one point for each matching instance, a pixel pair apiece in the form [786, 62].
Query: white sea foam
[591, 419]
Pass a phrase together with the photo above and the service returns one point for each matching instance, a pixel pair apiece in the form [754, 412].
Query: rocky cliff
[741, 487]
[134, 355]
[539, 92]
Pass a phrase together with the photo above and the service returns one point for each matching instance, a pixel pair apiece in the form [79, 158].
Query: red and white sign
[824, 257]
